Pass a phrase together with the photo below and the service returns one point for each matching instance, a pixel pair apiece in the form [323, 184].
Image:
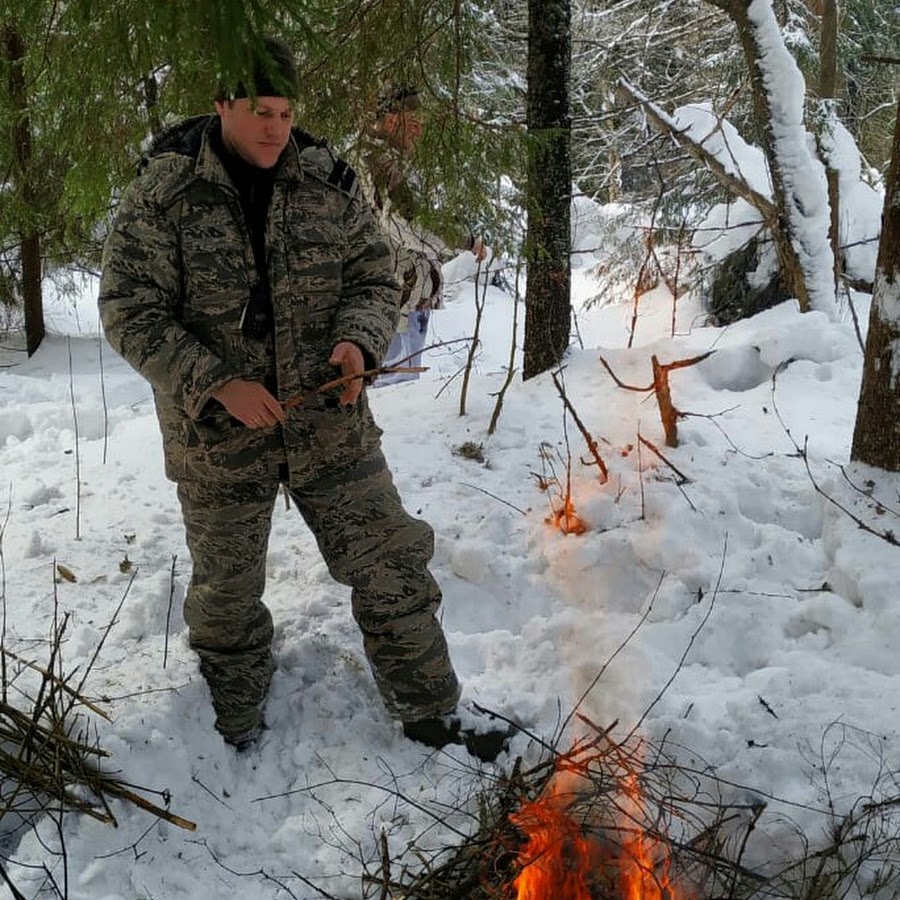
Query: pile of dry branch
[616, 820]
[50, 755]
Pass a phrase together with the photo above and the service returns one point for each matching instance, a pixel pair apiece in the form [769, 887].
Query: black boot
[245, 741]
[484, 735]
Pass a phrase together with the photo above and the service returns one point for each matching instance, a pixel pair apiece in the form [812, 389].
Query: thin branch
[169, 609]
[588, 438]
[621, 384]
[885, 535]
[495, 497]
[735, 183]
[77, 447]
[690, 643]
[614, 654]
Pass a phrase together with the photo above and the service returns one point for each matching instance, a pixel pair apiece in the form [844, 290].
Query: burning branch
[667, 410]
[562, 515]
[623, 818]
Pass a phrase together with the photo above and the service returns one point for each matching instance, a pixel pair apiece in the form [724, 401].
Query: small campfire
[578, 851]
[566, 519]
[606, 820]
[623, 820]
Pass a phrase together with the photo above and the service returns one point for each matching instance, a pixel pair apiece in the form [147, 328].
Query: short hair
[272, 72]
[396, 98]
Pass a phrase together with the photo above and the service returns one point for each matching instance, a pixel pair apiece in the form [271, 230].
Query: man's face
[403, 129]
[257, 131]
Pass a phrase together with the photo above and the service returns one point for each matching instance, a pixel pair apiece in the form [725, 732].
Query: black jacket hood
[186, 138]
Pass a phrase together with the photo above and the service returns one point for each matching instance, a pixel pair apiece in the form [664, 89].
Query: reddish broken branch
[589, 440]
[683, 479]
[668, 412]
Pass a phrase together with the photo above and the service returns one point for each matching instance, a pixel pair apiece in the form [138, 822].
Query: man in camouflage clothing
[243, 269]
[394, 189]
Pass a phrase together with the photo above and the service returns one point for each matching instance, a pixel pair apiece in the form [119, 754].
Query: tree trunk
[151, 103]
[795, 234]
[22, 171]
[828, 49]
[788, 263]
[876, 437]
[828, 91]
[548, 310]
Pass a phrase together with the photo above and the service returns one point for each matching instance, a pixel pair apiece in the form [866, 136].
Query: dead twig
[588, 438]
[683, 479]
[367, 375]
[475, 487]
[885, 535]
[476, 341]
[511, 364]
[680, 480]
[49, 762]
[169, 608]
[344, 380]
[669, 413]
[803, 452]
[690, 643]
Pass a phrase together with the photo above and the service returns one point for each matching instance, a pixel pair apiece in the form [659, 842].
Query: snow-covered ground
[784, 607]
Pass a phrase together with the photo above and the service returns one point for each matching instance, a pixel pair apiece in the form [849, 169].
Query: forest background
[85, 84]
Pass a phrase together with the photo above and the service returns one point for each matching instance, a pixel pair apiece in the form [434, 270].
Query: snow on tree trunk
[798, 177]
[876, 437]
[828, 119]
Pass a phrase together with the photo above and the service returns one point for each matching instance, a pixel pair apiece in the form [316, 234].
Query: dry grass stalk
[562, 508]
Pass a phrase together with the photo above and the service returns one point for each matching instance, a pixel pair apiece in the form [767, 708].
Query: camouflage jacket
[417, 253]
[178, 267]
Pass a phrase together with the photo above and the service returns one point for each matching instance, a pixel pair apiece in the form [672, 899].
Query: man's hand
[250, 403]
[350, 359]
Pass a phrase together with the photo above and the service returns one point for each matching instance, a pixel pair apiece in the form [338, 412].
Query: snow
[766, 629]
[804, 175]
[782, 607]
[722, 140]
[729, 226]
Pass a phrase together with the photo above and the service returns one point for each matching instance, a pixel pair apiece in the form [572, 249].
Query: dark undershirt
[254, 186]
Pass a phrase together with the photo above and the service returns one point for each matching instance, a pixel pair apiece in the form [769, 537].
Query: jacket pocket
[325, 435]
[224, 444]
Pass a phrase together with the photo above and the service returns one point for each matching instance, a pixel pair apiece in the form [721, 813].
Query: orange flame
[642, 857]
[567, 520]
[559, 862]
[556, 860]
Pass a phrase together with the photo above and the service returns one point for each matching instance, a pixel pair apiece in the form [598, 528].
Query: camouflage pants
[369, 542]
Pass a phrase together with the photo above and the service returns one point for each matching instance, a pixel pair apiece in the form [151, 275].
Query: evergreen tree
[101, 76]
